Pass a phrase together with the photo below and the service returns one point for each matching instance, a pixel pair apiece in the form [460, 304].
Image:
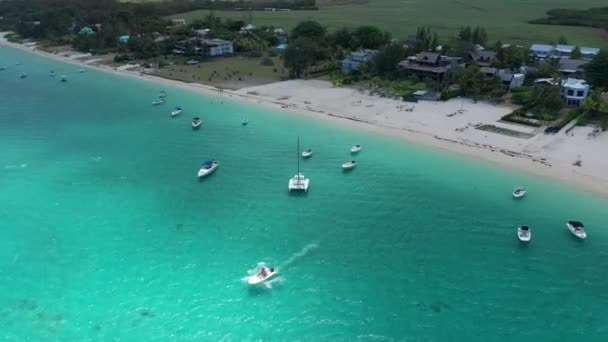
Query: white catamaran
[299, 182]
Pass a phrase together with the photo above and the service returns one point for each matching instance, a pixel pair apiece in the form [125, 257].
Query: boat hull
[206, 172]
[522, 236]
[306, 154]
[256, 279]
[579, 233]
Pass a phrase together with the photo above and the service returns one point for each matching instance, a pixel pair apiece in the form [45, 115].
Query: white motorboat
[307, 153]
[244, 122]
[196, 123]
[64, 78]
[349, 165]
[519, 192]
[162, 94]
[208, 167]
[577, 228]
[355, 149]
[263, 273]
[158, 102]
[299, 182]
[176, 111]
[524, 234]
[81, 70]
[23, 75]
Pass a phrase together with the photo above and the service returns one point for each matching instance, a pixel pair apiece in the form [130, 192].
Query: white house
[563, 51]
[218, 47]
[541, 50]
[574, 91]
[588, 53]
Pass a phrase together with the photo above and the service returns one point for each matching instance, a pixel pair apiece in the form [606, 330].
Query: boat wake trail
[297, 256]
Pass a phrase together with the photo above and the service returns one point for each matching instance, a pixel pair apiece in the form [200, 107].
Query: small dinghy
[577, 229]
[208, 167]
[524, 234]
[81, 70]
[355, 149]
[519, 192]
[23, 75]
[52, 73]
[196, 123]
[162, 94]
[64, 78]
[349, 165]
[264, 273]
[176, 111]
[158, 102]
[244, 122]
[307, 153]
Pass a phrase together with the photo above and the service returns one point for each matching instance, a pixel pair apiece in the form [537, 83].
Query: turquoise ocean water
[106, 234]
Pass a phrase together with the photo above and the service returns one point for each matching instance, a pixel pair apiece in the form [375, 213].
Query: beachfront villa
[430, 65]
[483, 58]
[351, 64]
[573, 90]
[217, 47]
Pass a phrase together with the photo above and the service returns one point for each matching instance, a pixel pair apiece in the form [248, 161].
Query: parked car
[192, 62]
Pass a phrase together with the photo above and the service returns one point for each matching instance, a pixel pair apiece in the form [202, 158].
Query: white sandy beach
[427, 123]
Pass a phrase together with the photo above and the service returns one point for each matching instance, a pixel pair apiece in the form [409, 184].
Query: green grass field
[223, 70]
[504, 19]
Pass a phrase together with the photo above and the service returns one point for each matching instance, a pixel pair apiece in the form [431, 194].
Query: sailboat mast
[298, 155]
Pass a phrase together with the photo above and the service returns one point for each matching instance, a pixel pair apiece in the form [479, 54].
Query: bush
[266, 61]
[254, 54]
[548, 117]
[604, 124]
[121, 58]
[449, 94]
[571, 115]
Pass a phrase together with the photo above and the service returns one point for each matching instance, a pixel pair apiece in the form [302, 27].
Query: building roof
[541, 47]
[430, 57]
[216, 41]
[484, 54]
[571, 65]
[575, 83]
[589, 51]
[488, 70]
[565, 48]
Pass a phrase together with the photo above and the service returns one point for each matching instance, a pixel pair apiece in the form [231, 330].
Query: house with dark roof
[430, 65]
[483, 58]
[488, 72]
[572, 67]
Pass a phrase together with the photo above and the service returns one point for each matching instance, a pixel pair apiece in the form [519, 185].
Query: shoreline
[533, 158]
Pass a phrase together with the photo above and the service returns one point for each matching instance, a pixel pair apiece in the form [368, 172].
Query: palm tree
[594, 102]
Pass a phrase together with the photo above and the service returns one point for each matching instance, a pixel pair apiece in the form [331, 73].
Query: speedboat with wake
[196, 123]
[577, 229]
[158, 102]
[519, 192]
[307, 153]
[349, 165]
[176, 111]
[262, 274]
[208, 167]
[355, 149]
[524, 234]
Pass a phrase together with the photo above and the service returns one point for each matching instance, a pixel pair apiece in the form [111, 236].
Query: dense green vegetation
[504, 20]
[593, 17]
